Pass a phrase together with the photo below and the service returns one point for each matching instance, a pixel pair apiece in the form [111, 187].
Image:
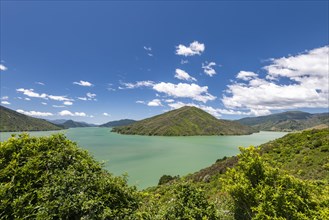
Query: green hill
[302, 154]
[122, 122]
[186, 121]
[75, 124]
[13, 121]
[287, 121]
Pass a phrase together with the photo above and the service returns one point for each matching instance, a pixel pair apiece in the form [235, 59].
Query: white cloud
[169, 100]
[4, 97]
[184, 90]
[40, 83]
[106, 114]
[44, 103]
[68, 113]
[147, 48]
[137, 84]
[5, 102]
[306, 87]
[195, 48]
[59, 98]
[83, 83]
[3, 67]
[68, 103]
[27, 99]
[155, 102]
[31, 93]
[82, 98]
[208, 68]
[246, 75]
[183, 61]
[91, 95]
[181, 74]
[34, 113]
[59, 106]
[140, 102]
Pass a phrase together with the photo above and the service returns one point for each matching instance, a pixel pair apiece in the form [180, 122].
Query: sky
[99, 61]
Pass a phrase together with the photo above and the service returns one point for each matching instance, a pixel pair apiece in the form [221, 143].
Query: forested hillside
[186, 121]
[13, 121]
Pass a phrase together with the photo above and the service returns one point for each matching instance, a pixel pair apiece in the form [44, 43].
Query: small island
[185, 121]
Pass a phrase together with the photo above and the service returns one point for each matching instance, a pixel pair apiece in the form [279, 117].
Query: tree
[50, 177]
[262, 192]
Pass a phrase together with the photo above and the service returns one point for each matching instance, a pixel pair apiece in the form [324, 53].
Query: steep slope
[13, 121]
[186, 121]
[122, 122]
[302, 154]
[287, 121]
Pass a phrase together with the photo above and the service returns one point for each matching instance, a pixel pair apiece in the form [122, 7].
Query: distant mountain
[71, 124]
[75, 124]
[186, 121]
[58, 121]
[287, 121]
[11, 120]
[122, 122]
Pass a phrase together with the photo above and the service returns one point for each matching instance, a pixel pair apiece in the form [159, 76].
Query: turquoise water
[146, 158]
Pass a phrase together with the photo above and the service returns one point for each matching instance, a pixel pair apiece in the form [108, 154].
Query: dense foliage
[122, 122]
[262, 192]
[186, 121]
[50, 178]
[304, 155]
[287, 121]
[13, 121]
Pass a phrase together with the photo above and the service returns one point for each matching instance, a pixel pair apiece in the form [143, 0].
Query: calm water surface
[146, 159]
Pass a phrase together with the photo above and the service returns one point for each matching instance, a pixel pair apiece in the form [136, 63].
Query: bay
[146, 158]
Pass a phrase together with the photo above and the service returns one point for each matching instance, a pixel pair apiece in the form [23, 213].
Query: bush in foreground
[51, 178]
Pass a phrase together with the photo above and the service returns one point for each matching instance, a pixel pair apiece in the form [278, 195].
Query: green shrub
[51, 178]
[262, 192]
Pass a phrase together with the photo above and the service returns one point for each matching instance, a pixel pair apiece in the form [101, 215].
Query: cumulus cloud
[140, 102]
[106, 114]
[306, 87]
[181, 74]
[3, 67]
[59, 106]
[169, 100]
[208, 68]
[31, 93]
[68, 103]
[5, 102]
[246, 75]
[27, 99]
[68, 113]
[89, 96]
[195, 48]
[35, 113]
[44, 103]
[184, 90]
[137, 84]
[4, 97]
[59, 98]
[83, 83]
[155, 102]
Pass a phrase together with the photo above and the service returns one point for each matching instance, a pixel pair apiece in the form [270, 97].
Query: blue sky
[102, 61]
